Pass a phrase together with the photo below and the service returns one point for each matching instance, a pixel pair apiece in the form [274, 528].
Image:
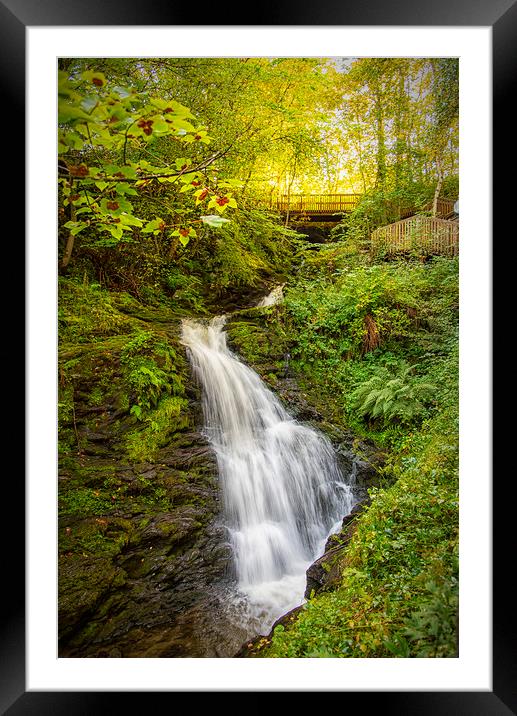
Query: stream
[283, 491]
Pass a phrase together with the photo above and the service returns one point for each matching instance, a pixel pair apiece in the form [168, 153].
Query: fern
[389, 399]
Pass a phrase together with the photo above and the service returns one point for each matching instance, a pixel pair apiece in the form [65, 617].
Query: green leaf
[75, 226]
[115, 207]
[184, 239]
[96, 78]
[189, 178]
[153, 225]
[159, 103]
[129, 172]
[68, 114]
[123, 188]
[182, 125]
[136, 410]
[179, 109]
[115, 230]
[231, 183]
[161, 127]
[130, 220]
[73, 139]
[183, 162]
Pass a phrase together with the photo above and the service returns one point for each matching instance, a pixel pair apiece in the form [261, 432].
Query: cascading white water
[275, 296]
[282, 489]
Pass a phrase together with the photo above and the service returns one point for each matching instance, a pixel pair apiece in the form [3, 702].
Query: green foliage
[389, 398]
[105, 132]
[187, 291]
[361, 328]
[86, 312]
[381, 207]
[339, 318]
[399, 591]
[432, 630]
[147, 382]
[157, 427]
[245, 253]
[140, 371]
[85, 501]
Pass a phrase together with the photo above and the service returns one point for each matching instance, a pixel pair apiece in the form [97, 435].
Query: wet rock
[252, 647]
[85, 581]
[325, 573]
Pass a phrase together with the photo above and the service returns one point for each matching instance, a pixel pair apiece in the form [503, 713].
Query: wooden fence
[418, 234]
[325, 204]
[444, 207]
[398, 211]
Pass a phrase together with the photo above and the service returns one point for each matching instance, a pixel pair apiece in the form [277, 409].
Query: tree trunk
[438, 189]
[398, 129]
[289, 193]
[69, 242]
[381, 142]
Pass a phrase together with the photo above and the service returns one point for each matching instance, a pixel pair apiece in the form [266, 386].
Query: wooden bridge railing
[328, 204]
[443, 207]
[398, 211]
[421, 234]
[325, 204]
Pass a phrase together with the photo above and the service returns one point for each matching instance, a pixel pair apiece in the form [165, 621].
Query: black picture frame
[15, 17]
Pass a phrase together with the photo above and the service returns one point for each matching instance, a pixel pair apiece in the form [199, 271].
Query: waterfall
[282, 490]
[276, 295]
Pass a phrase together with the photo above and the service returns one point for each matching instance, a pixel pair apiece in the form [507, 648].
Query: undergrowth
[376, 349]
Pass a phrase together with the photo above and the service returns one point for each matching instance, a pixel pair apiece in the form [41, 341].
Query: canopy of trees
[158, 155]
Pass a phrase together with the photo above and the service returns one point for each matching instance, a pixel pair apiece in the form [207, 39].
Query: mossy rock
[83, 582]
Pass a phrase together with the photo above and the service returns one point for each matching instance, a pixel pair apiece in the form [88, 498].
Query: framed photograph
[36, 677]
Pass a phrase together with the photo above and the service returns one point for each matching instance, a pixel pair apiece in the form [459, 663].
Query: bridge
[316, 207]
[408, 229]
[329, 207]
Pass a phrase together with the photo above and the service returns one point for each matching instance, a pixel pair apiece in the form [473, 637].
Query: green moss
[86, 312]
[98, 537]
[84, 501]
[257, 343]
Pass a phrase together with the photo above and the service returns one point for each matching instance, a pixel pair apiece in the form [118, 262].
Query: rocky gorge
[144, 561]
